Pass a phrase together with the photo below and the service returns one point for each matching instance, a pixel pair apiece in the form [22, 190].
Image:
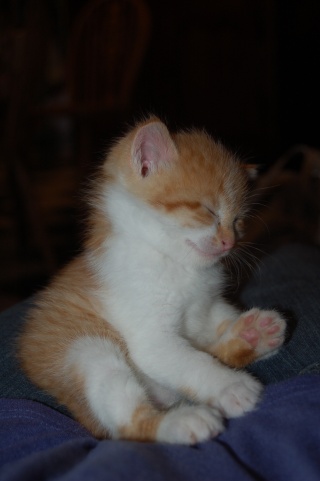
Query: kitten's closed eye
[209, 209]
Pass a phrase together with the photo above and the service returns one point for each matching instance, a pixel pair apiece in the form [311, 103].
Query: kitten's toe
[190, 425]
[240, 396]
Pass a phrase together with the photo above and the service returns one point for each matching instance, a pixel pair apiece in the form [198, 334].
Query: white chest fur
[144, 274]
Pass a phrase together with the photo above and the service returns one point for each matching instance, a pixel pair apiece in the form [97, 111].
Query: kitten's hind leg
[254, 335]
[120, 406]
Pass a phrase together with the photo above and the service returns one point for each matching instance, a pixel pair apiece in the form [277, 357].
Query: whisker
[232, 265]
[258, 190]
[256, 217]
[250, 245]
[244, 258]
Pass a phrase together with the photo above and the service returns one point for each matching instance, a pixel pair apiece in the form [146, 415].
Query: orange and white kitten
[134, 336]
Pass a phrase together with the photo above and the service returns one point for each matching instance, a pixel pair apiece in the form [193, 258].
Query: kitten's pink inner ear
[152, 148]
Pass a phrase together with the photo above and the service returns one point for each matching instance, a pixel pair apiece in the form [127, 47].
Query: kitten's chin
[209, 255]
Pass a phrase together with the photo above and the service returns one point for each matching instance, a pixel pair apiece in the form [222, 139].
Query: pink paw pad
[251, 336]
[265, 322]
[248, 320]
[273, 330]
[274, 342]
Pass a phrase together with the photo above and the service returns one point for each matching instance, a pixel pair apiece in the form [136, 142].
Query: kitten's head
[194, 187]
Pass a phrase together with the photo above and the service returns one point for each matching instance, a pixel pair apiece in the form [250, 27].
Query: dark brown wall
[246, 70]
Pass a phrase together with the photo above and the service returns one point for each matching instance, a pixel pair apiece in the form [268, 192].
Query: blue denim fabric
[289, 280]
[13, 383]
[278, 441]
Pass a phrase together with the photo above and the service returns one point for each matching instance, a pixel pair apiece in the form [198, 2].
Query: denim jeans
[288, 280]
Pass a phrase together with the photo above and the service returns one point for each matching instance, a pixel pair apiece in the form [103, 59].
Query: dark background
[247, 71]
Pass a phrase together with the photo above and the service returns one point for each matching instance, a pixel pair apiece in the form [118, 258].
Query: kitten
[134, 336]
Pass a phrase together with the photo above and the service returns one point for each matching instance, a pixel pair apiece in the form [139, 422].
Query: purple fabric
[279, 441]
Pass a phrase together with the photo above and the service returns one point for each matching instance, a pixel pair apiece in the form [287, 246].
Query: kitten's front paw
[190, 425]
[240, 396]
[254, 335]
[264, 331]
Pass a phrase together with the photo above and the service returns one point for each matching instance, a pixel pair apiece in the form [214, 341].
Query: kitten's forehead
[210, 168]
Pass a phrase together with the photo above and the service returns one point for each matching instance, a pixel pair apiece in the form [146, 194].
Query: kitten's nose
[227, 244]
[225, 238]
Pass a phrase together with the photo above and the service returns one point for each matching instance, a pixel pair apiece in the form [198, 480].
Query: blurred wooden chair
[106, 48]
[27, 45]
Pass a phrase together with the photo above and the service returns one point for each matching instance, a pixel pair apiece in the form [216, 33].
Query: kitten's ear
[252, 171]
[152, 148]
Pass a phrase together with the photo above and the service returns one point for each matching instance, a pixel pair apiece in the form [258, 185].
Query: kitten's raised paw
[190, 425]
[256, 334]
[264, 331]
[240, 396]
